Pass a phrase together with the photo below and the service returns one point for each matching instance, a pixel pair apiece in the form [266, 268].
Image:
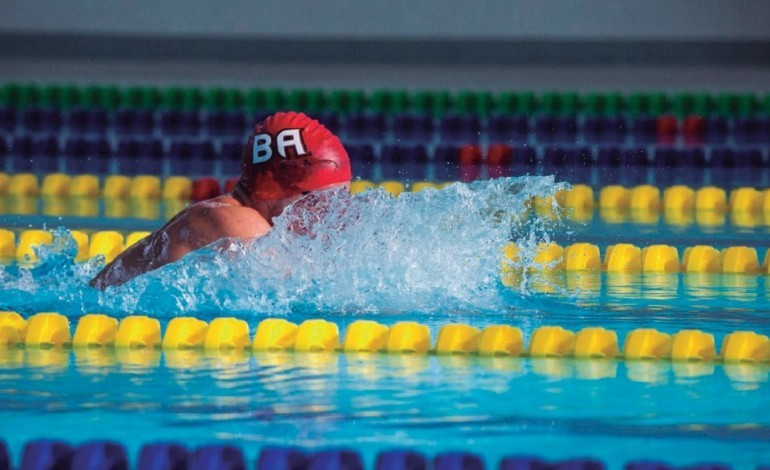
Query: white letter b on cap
[261, 151]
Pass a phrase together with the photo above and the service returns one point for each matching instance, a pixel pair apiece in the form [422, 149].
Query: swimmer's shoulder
[225, 216]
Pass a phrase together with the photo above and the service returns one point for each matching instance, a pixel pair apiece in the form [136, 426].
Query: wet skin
[235, 215]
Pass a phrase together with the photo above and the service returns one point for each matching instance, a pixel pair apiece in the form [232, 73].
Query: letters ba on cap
[262, 149]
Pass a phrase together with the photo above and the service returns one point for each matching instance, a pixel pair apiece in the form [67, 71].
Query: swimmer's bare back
[191, 229]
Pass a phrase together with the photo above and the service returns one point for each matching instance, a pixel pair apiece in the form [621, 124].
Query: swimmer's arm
[191, 230]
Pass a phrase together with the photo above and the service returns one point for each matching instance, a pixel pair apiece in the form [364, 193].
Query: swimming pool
[431, 257]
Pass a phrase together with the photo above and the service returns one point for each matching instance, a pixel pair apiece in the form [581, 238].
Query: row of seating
[130, 155]
[402, 127]
[390, 101]
[48, 453]
[194, 157]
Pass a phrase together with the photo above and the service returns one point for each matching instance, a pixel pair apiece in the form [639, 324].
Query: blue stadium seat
[230, 156]
[566, 128]
[330, 121]
[46, 454]
[525, 156]
[226, 123]
[554, 157]
[635, 156]
[749, 157]
[550, 129]
[7, 119]
[398, 153]
[694, 157]
[567, 156]
[90, 155]
[5, 151]
[508, 128]
[609, 156]
[88, 121]
[401, 460]
[35, 154]
[764, 130]
[192, 157]
[100, 455]
[134, 121]
[41, 120]
[600, 129]
[412, 127]
[362, 158]
[282, 458]
[361, 152]
[667, 157]
[722, 157]
[365, 127]
[581, 156]
[460, 128]
[220, 457]
[336, 460]
[645, 129]
[750, 130]
[162, 456]
[446, 153]
[176, 123]
[715, 130]
[140, 156]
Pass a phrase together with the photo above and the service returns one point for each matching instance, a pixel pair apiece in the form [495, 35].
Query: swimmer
[287, 156]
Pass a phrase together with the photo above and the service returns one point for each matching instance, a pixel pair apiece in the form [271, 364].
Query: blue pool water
[434, 257]
[681, 413]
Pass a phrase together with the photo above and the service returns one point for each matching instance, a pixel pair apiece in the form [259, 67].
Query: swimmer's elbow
[105, 279]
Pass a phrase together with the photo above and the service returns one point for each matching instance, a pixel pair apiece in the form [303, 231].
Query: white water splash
[431, 251]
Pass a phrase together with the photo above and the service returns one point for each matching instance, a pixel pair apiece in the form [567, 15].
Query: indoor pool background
[431, 256]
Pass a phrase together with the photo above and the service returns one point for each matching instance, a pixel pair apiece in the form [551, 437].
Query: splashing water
[435, 250]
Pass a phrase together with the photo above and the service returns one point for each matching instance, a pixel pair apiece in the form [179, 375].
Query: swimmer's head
[289, 154]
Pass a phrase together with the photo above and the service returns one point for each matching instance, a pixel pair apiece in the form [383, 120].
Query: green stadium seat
[736, 104]
[60, 96]
[606, 104]
[560, 103]
[346, 101]
[223, 98]
[653, 104]
[516, 103]
[431, 102]
[389, 101]
[147, 97]
[310, 101]
[686, 104]
[107, 97]
[472, 102]
[266, 100]
[20, 95]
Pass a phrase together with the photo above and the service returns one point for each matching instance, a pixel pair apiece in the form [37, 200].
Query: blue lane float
[52, 454]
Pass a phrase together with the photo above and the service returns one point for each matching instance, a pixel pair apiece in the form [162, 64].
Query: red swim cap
[288, 154]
